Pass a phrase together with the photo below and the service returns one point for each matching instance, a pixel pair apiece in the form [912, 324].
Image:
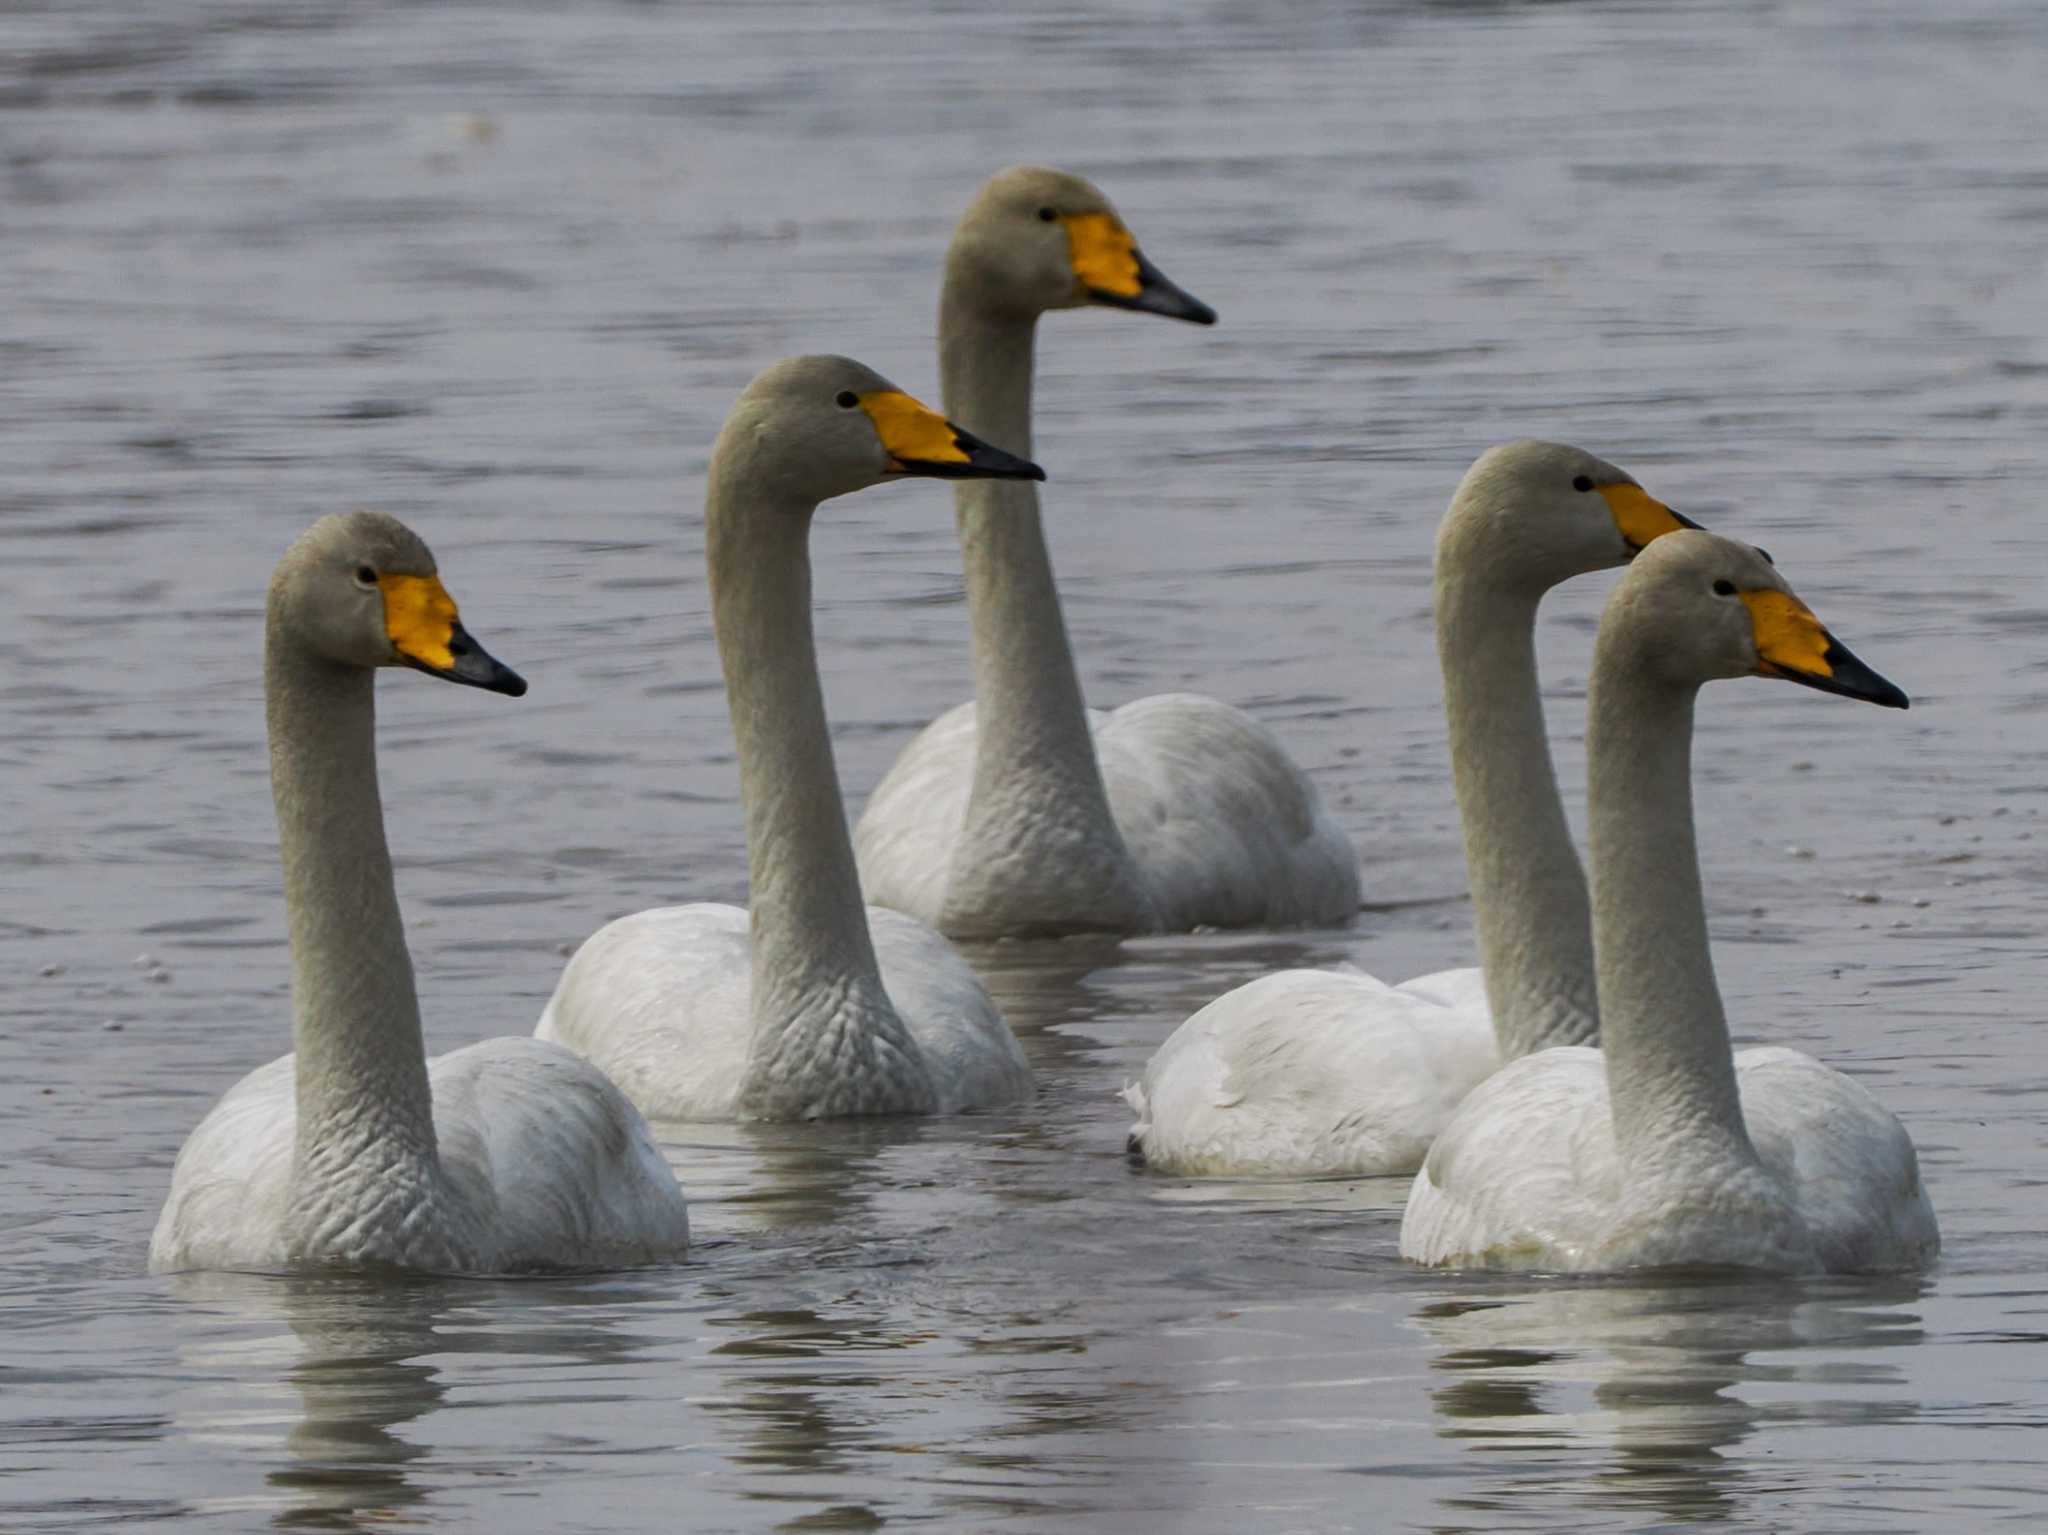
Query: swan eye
[1724, 588]
[847, 399]
[365, 576]
[1046, 215]
[1582, 484]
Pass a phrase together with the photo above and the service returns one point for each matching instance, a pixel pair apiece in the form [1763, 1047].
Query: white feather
[1527, 1176]
[662, 1001]
[1314, 1073]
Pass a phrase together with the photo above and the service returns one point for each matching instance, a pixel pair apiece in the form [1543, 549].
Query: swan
[1023, 812]
[1664, 1147]
[805, 1006]
[356, 1151]
[1325, 1073]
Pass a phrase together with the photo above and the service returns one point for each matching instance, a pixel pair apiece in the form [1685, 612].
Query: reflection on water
[501, 268]
[363, 1371]
[1641, 1383]
[368, 1359]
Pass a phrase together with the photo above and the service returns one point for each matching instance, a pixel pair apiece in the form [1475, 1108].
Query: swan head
[1695, 607]
[817, 427]
[360, 589]
[1036, 239]
[1536, 514]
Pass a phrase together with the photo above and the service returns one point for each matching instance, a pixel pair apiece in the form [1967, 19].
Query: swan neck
[1035, 769]
[813, 963]
[360, 1077]
[1528, 891]
[1670, 1067]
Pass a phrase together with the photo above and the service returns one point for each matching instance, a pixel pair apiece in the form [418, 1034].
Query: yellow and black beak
[920, 441]
[1640, 516]
[1112, 270]
[426, 631]
[1793, 644]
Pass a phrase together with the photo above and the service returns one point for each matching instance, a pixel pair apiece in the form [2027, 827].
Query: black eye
[847, 399]
[1047, 215]
[1582, 484]
[1724, 588]
[366, 575]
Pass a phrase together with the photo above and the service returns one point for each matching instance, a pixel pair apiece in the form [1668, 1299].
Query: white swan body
[674, 988]
[1313, 1074]
[1027, 813]
[1336, 1074]
[356, 1151]
[543, 1166]
[1530, 1179]
[808, 1005]
[1220, 828]
[1664, 1148]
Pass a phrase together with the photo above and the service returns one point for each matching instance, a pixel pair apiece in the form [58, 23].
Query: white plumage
[542, 1166]
[1314, 1073]
[663, 999]
[1528, 1176]
[1220, 827]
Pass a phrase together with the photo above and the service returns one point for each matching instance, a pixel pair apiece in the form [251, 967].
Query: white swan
[1319, 1073]
[357, 1151]
[807, 1006]
[1024, 812]
[1664, 1147]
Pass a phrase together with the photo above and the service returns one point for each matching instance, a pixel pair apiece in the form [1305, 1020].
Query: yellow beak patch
[420, 616]
[1104, 256]
[1641, 518]
[1790, 641]
[911, 433]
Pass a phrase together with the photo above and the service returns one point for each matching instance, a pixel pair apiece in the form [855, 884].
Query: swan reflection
[365, 1359]
[1642, 1382]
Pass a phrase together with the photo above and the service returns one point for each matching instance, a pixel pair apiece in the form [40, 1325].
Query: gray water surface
[501, 268]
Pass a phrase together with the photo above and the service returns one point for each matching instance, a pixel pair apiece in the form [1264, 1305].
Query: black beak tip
[473, 666]
[1158, 294]
[994, 464]
[985, 461]
[1851, 678]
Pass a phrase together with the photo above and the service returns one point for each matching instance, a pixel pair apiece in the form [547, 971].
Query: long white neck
[365, 1112]
[1670, 1068]
[1039, 828]
[1528, 892]
[825, 1039]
